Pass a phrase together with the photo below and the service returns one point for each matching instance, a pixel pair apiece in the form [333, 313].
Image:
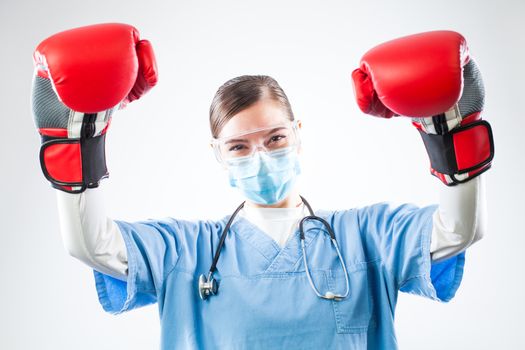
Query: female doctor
[275, 274]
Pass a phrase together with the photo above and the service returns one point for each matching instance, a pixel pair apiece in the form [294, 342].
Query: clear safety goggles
[271, 139]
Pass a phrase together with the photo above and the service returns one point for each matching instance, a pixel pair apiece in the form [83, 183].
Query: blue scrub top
[265, 300]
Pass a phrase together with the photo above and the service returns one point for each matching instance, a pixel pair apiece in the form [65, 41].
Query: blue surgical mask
[266, 177]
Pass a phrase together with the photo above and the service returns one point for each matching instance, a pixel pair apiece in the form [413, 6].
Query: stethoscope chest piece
[207, 286]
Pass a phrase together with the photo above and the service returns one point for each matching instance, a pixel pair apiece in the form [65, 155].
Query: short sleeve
[401, 235]
[152, 252]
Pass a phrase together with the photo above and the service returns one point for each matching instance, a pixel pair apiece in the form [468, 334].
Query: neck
[293, 200]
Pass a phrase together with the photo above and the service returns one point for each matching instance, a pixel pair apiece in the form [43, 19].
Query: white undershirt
[278, 223]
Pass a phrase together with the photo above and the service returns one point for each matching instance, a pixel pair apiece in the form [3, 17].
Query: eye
[236, 148]
[276, 138]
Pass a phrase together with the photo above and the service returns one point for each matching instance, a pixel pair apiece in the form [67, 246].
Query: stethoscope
[209, 286]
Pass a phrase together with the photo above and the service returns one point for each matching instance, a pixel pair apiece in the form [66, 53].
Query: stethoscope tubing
[223, 238]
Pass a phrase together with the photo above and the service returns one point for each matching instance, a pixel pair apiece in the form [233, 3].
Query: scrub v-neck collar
[284, 259]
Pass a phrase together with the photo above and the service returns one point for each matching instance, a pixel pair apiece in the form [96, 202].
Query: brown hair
[242, 92]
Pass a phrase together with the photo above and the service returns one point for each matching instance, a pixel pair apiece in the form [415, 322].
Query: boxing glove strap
[463, 149]
[72, 165]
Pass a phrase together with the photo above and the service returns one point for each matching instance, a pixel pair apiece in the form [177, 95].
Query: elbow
[468, 235]
[479, 226]
[453, 237]
[451, 243]
[464, 237]
[478, 237]
[461, 240]
[76, 249]
[71, 251]
[479, 232]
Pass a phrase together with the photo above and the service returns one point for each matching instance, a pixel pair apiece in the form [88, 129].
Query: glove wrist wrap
[74, 164]
[467, 149]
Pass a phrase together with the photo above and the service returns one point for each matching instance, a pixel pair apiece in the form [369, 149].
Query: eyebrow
[245, 140]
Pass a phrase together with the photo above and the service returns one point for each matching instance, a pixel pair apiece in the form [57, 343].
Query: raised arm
[431, 78]
[82, 76]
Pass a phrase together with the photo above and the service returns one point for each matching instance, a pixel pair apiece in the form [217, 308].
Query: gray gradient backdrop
[161, 165]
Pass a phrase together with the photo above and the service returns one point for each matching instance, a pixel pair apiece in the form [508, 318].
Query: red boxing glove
[430, 77]
[81, 77]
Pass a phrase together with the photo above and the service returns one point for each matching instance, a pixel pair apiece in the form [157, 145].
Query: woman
[330, 281]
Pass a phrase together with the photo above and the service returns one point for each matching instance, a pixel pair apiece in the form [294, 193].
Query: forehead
[264, 113]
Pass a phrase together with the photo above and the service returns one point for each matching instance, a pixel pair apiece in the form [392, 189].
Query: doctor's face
[259, 147]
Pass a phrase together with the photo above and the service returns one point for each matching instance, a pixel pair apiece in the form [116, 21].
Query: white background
[161, 165]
